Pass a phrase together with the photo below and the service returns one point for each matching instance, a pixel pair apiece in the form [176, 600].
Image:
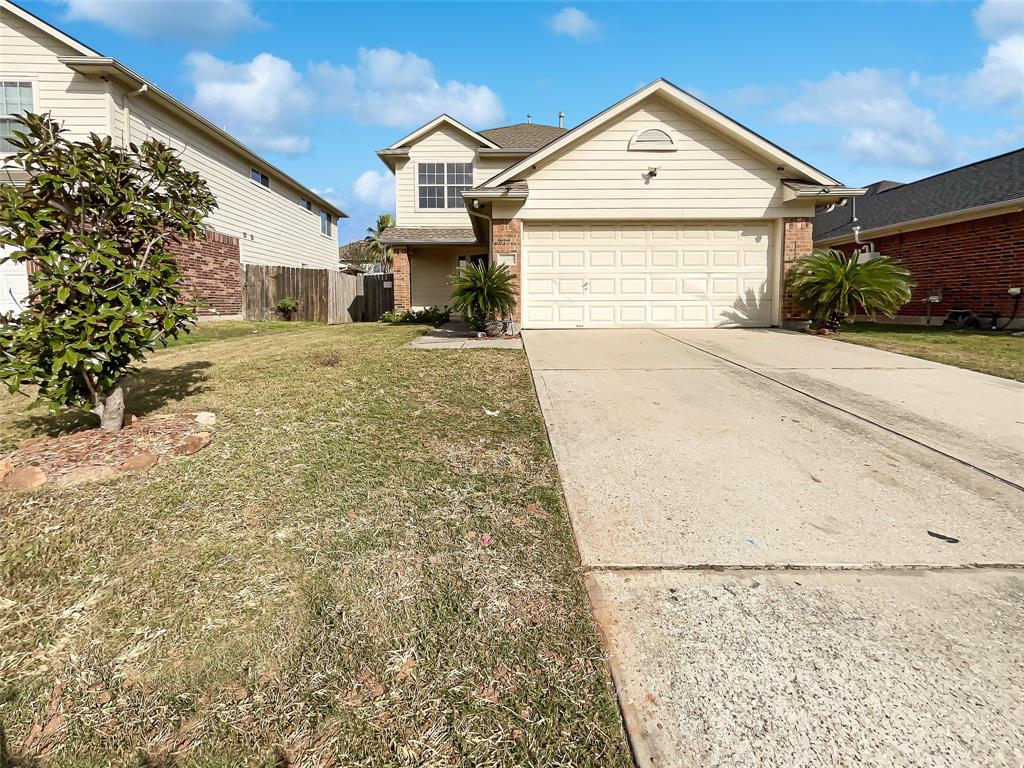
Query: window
[652, 138]
[303, 202]
[15, 98]
[325, 223]
[259, 177]
[440, 185]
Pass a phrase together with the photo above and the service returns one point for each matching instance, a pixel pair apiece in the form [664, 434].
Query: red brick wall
[212, 273]
[972, 262]
[402, 278]
[797, 241]
[507, 237]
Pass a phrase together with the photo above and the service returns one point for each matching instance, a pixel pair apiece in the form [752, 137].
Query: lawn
[995, 352]
[363, 569]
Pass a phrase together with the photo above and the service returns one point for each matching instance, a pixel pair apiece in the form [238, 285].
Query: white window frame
[305, 204]
[636, 145]
[259, 182]
[33, 80]
[326, 216]
[445, 186]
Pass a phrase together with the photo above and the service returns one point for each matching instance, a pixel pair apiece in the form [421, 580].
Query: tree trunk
[112, 410]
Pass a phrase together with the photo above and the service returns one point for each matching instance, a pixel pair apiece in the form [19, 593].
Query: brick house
[960, 233]
[659, 211]
[263, 215]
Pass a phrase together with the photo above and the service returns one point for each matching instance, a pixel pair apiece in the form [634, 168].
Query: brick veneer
[211, 270]
[402, 277]
[974, 263]
[797, 241]
[507, 237]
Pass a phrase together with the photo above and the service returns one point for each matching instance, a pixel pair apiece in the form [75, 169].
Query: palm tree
[482, 292]
[376, 248]
[831, 285]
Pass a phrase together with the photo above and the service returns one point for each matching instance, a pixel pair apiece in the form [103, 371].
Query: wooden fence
[324, 296]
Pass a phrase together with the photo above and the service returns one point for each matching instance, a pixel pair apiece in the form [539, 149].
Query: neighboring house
[263, 217]
[659, 211]
[960, 233]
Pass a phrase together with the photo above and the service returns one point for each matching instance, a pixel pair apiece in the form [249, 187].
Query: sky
[864, 91]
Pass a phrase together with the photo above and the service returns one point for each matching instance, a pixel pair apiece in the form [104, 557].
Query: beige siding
[271, 226]
[444, 145]
[707, 176]
[28, 53]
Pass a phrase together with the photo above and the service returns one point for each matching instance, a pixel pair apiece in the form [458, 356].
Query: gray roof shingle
[888, 203]
[426, 235]
[523, 135]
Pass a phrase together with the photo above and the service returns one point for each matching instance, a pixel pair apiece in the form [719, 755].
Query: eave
[800, 190]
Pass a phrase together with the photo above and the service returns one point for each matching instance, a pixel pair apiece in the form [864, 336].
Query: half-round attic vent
[652, 138]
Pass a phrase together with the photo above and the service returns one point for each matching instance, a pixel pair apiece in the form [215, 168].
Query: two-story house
[658, 211]
[264, 216]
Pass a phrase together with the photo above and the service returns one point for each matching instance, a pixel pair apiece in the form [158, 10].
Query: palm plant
[375, 247]
[482, 292]
[831, 285]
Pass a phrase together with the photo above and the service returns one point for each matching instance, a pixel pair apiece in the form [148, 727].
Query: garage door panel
[633, 274]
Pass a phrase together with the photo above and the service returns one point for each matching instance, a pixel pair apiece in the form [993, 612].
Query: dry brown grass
[362, 569]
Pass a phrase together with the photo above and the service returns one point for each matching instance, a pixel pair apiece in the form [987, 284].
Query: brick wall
[212, 274]
[972, 262]
[797, 241]
[507, 237]
[402, 278]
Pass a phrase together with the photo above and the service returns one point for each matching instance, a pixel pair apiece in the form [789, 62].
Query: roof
[428, 235]
[426, 128]
[982, 184]
[90, 63]
[741, 134]
[523, 135]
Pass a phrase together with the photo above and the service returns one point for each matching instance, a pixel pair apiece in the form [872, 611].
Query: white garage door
[13, 284]
[660, 274]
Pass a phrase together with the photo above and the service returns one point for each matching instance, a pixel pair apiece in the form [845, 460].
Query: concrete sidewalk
[686, 454]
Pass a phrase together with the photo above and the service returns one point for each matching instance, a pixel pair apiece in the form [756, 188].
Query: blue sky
[864, 91]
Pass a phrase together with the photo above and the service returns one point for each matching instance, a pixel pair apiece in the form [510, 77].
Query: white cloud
[1000, 79]
[263, 101]
[388, 87]
[200, 21]
[576, 24]
[375, 188]
[875, 119]
[998, 18]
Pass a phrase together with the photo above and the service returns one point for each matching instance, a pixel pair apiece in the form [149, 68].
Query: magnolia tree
[94, 222]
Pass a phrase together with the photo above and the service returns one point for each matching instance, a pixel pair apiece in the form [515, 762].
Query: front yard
[995, 352]
[363, 568]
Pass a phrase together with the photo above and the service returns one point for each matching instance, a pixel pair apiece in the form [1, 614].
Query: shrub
[483, 292]
[287, 306]
[434, 316]
[830, 286]
[96, 220]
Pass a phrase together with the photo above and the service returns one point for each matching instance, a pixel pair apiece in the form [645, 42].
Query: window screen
[15, 98]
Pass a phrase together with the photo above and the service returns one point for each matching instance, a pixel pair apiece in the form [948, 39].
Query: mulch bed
[93, 454]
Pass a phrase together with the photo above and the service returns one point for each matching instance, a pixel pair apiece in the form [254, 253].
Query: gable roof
[523, 135]
[91, 63]
[740, 133]
[437, 122]
[986, 183]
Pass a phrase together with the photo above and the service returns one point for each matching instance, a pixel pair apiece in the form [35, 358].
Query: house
[658, 211]
[264, 216]
[960, 233]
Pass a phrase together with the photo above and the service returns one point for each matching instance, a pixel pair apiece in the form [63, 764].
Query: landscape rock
[30, 441]
[25, 478]
[88, 473]
[5, 467]
[138, 462]
[192, 444]
[206, 418]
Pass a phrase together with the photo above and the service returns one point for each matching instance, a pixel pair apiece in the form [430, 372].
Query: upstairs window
[652, 138]
[325, 223]
[440, 185]
[259, 177]
[304, 203]
[15, 98]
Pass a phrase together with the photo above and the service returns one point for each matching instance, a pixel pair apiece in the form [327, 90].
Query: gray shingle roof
[523, 135]
[426, 235]
[888, 203]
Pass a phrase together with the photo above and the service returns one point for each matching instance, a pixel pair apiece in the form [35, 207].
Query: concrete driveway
[765, 520]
